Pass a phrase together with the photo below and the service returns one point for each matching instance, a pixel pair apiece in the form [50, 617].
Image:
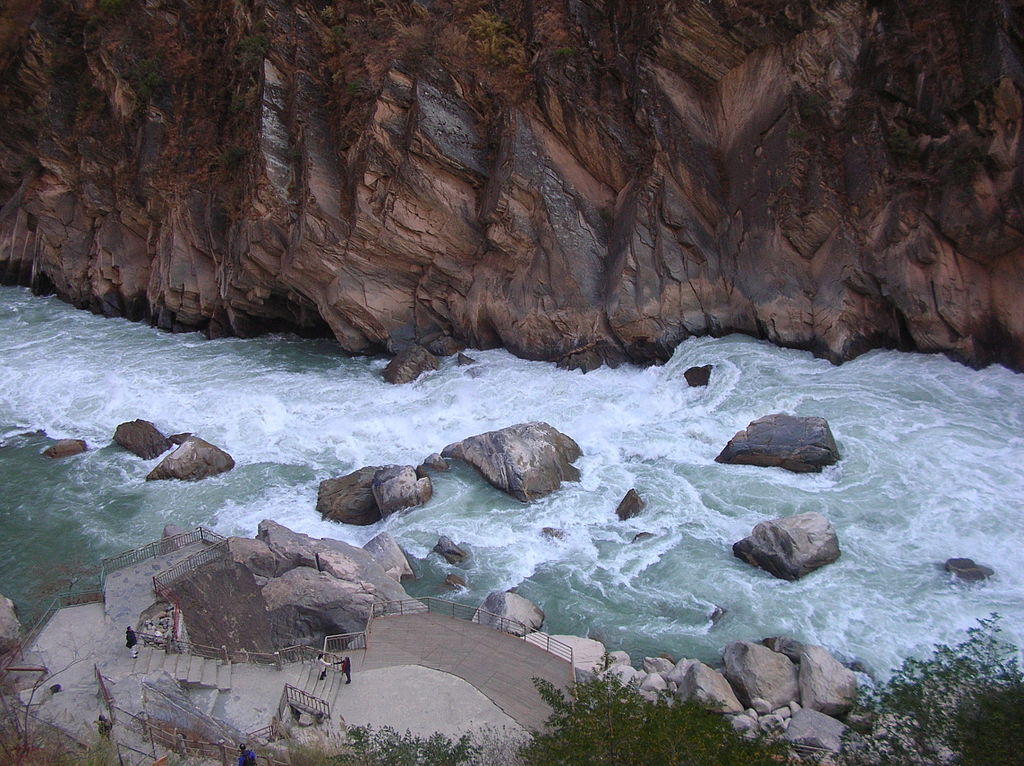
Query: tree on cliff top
[604, 722]
[961, 706]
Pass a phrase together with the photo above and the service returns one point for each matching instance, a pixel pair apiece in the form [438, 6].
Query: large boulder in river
[397, 487]
[799, 444]
[10, 627]
[390, 556]
[503, 605]
[758, 673]
[790, 547]
[630, 505]
[142, 438]
[65, 448]
[825, 684]
[194, 459]
[968, 571]
[452, 553]
[409, 364]
[349, 499]
[528, 461]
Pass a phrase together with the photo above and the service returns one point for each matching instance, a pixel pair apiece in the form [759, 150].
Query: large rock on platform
[526, 616]
[194, 459]
[825, 684]
[10, 626]
[709, 688]
[306, 605]
[799, 444]
[790, 547]
[65, 448]
[390, 556]
[142, 438]
[757, 672]
[397, 487]
[528, 461]
[409, 364]
[349, 499]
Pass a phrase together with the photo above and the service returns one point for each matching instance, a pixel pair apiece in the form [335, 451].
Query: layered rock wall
[585, 181]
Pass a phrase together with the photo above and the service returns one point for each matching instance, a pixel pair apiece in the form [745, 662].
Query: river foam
[931, 468]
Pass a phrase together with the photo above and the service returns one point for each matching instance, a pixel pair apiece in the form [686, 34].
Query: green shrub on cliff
[962, 705]
[604, 722]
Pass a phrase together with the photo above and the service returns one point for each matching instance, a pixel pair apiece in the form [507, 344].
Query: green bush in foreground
[386, 747]
[962, 706]
[604, 722]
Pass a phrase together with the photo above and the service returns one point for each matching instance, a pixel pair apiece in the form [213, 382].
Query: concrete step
[224, 677]
[195, 670]
[141, 663]
[208, 675]
[181, 670]
[156, 662]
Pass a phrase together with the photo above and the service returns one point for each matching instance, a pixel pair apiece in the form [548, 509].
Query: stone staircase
[306, 676]
[199, 672]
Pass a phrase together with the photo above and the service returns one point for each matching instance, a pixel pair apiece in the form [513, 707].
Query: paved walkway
[424, 672]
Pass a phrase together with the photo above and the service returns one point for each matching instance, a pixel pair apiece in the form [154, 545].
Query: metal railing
[345, 642]
[156, 548]
[293, 696]
[216, 552]
[108, 698]
[473, 614]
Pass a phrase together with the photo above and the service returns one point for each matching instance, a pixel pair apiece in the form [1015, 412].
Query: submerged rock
[967, 570]
[698, 377]
[142, 438]
[790, 547]
[630, 505]
[798, 444]
[65, 448]
[409, 364]
[194, 459]
[528, 461]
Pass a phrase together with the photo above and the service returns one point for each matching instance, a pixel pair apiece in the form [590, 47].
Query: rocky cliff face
[585, 181]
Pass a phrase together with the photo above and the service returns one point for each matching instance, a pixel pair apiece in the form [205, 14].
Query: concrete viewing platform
[424, 672]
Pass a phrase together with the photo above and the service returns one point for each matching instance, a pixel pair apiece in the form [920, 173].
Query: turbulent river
[932, 467]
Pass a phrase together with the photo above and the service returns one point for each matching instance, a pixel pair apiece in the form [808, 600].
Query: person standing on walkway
[346, 668]
[246, 756]
[104, 725]
[131, 641]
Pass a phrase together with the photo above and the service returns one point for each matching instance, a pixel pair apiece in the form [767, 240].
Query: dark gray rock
[409, 364]
[465, 361]
[697, 377]
[554, 533]
[641, 536]
[528, 461]
[783, 645]
[454, 582]
[349, 499]
[799, 444]
[142, 438]
[790, 547]
[968, 571]
[194, 459]
[630, 505]
[814, 729]
[397, 487]
[65, 448]
[452, 553]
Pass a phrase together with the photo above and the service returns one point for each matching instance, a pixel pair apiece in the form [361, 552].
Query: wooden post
[224, 649]
[223, 754]
[277, 660]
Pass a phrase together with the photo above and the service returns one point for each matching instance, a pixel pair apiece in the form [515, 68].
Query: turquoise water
[931, 468]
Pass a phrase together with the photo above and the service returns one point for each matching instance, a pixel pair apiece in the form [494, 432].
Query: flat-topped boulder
[798, 444]
[65, 448]
[142, 438]
[757, 673]
[10, 626]
[194, 459]
[528, 460]
[511, 606]
[409, 364]
[790, 547]
[349, 499]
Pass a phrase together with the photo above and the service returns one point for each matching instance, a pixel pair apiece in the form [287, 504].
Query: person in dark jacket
[131, 641]
[246, 756]
[346, 668]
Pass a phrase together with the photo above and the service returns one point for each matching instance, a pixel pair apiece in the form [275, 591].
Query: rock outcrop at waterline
[585, 182]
